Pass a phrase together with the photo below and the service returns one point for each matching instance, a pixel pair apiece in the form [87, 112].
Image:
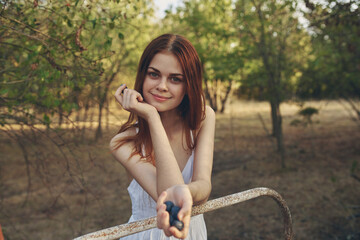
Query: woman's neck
[170, 119]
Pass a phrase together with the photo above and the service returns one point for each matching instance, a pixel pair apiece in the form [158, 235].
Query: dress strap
[142, 146]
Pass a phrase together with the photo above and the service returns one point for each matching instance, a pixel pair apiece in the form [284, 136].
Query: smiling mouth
[160, 98]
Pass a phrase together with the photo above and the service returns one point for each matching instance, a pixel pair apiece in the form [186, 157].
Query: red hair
[192, 107]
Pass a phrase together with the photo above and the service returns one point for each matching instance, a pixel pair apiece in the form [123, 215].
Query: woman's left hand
[180, 195]
[132, 101]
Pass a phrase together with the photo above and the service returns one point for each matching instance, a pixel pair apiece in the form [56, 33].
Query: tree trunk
[217, 95]
[355, 106]
[98, 133]
[277, 129]
[209, 96]
[107, 115]
[60, 117]
[102, 100]
[226, 97]
[84, 121]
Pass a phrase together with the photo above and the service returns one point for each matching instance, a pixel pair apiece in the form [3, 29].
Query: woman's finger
[139, 97]
[185, 209]
[122, 92]
[120, 89]
[126, 96]
[161, 215]
[161, 199]
[133, 97]
[183, 233]
[178, 234]
[163, 220]
[118, 93]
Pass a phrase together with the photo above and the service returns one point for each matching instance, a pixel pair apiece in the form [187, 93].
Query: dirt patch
[77, 187]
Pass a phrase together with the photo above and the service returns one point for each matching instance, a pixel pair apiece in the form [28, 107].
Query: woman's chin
[161, 109]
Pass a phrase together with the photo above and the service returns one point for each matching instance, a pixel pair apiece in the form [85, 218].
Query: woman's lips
[160, 98]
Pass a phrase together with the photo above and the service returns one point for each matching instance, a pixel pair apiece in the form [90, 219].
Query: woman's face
[164, 84]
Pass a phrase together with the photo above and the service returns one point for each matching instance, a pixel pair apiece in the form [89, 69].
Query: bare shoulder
[209, 112]
[123, 152]
[209, 121]
[209, 117]
[119, 136]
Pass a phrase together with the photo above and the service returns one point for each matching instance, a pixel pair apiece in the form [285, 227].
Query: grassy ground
[67, 186]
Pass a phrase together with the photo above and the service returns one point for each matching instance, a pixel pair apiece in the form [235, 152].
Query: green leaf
[4, 91]
[108, 44]
[46, 119]
[121, 36]
[69, 23]
[44, 74]
[56, 102]
[94, 23]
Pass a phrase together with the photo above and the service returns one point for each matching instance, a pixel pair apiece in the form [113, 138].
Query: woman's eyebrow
[176, 74]
[172, 74]
[154, 69]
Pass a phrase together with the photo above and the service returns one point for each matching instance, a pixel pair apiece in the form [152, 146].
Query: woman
[166, 146]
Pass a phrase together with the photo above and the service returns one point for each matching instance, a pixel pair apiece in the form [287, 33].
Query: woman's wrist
[152, 115]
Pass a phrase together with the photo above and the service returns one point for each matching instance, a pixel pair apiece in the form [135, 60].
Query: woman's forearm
[167, 169]
[200, 191]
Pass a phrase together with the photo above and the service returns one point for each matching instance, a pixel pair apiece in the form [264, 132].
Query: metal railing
[134, 227]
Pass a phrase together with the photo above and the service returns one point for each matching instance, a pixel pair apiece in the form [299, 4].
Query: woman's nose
[162, 86]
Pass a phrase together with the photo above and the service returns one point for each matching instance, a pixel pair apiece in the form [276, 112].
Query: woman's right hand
[132, 101]
[180, 195]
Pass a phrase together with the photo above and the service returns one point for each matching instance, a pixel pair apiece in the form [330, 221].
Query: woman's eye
[176, 79]
[153, 75]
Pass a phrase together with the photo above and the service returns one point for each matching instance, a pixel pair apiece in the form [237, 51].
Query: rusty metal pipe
[134, 227]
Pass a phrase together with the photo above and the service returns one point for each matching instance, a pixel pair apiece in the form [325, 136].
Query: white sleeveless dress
[143, 206]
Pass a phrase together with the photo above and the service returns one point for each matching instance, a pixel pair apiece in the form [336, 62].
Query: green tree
[334, 71]
[60, 56]
[128, 39]
[43, 59]
[275, 40]
[208, 24]
[57, 58]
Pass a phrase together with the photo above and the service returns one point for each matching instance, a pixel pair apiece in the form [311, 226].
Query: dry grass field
[66, 186]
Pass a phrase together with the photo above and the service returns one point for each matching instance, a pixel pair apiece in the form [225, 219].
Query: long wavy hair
[192, 107]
